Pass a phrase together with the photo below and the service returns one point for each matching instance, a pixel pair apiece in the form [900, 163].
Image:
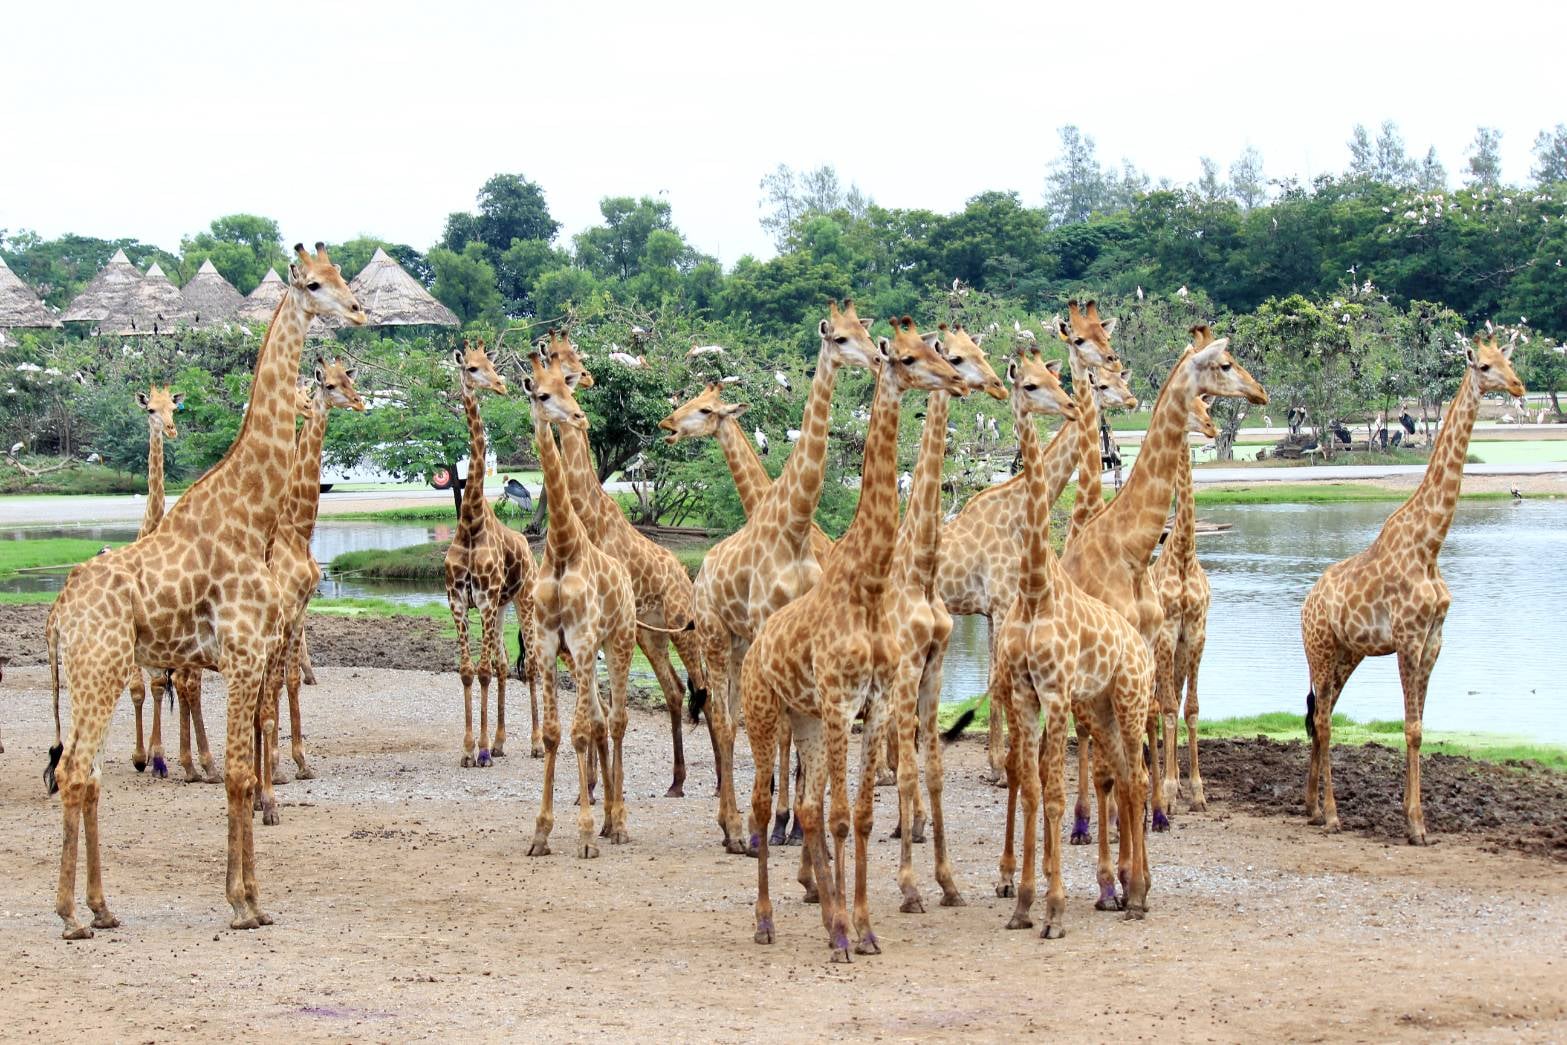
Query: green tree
[614, 250]
[1485, 158]
[1432, 176]
[1550, 156]
[241, 246]
[1075, 186]
[521, 266]
[465, 283]
[510, 208]
[1247, 182]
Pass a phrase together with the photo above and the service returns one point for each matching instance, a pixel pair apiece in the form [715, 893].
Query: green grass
[441, 512]
[52, 551]
[414, 562]
[1318, 493]
[78, 479]
[1290, 725]
[26, 598]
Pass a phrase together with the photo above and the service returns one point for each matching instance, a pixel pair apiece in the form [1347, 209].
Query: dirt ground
[406, 908]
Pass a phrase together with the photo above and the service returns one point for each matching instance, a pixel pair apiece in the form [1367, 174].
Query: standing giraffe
[1089, 338]
[661, 585]
[1062, 650]
[584, 604]
[295, 570]
[768, 562]
[1109, 557]
[919, 625]
[194, 593]
[1391, 598]
[489, 566]
[822, 657]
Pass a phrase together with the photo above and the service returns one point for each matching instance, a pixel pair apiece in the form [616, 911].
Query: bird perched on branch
[703, 350]
[629, 361]
[761, 440]
[783, 380]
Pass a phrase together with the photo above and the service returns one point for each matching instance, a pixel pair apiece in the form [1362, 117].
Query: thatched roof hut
[210, 299]
[157, 308]
[19, 306]
[393, 298]
[262, 302]
[109, 300]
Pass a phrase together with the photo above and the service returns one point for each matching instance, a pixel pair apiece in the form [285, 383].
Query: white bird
[1017, 327]
[793, 435]
[905, 484]
[1182, 292]
[1351, 271]
[1275, 224]
[94, 458]
[1139, 292]
[732, 379]
[638, 332]
[783, 380]
[1267, 422]
[704, 350]
[628, 360]
[761, 440]
[993, 327]
[16, 448]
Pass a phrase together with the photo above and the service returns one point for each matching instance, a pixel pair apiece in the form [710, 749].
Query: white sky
[339, 119]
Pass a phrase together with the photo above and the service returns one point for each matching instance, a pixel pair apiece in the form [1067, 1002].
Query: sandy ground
[406, 910]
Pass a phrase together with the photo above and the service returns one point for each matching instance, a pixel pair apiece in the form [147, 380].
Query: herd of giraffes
[784, 629]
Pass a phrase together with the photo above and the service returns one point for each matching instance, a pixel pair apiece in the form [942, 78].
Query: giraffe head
[557, 344]
[847, 338]
[1088, 337]
[1036, 386]
[473, 364]
[700, 415]
[321, 286]
[1493, 366]
[304, 398]
[1200, 420]
[962, 350]
[917, 361]
[1216, 371]
[551, 397]
[1111, 392]
[337, 384]
[160, 404]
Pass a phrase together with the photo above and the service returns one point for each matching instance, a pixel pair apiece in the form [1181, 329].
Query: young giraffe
[294, 568]
[1109, 557]
[1391, 598]
[919, 625]
[1089, 337]
[767, 563]
[489, 566]
[661, 585]
[584, 604]
[1062, 650]
[828, 653]
[194, 593]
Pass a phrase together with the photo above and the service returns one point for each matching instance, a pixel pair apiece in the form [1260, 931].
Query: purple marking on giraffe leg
[1106, 896]
[159, 766]
[1081, 832]
[780, 833]
[1160, 821]
[484, 757]
[756, 842]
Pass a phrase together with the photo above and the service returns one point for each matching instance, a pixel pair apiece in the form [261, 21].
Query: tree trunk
[457, 485]
[1556, 404]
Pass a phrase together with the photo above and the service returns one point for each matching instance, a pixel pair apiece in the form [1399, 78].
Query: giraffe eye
[840, 339]
[1485, 366]
[473, 370]
[1031, 387]
[705, 410]
[1225, 366]
[312, 285]
[544, 397]
[908, 360]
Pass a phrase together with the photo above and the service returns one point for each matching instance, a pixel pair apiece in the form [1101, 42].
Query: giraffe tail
[696, 699]
[955, 730]
[1311, 713]
[690, 626]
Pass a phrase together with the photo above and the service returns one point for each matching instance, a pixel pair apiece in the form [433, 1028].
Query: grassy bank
[52, 551]
[428, 561]
[1320, 493]
[1289, 725]
[79, 478]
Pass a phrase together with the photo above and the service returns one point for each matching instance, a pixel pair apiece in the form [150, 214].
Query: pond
[1502, 669]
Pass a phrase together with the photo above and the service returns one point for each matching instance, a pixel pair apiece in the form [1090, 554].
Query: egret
[761, 440]
[1183, 292]
[793, 435]
[628, 360]
[16, 448]
[783, 380]
[703, 350]
[1139, 292]
[905, 484]
[732, 379]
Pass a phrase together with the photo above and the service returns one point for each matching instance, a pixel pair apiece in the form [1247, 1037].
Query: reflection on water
[1502, 663]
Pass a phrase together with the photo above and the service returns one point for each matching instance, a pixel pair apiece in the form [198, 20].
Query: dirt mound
[1515, 806]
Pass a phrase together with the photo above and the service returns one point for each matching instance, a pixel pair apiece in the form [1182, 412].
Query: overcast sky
[149, 119]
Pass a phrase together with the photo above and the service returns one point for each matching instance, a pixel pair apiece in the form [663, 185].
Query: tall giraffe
[1089, 337]
[194, 593]
[1109, 557]
[919, 624]
[297, 575]
[768, 562]
[661, 585]
[1391, 598]
[1062, 650]
[584, 605]
[822, 657]
[489, 566]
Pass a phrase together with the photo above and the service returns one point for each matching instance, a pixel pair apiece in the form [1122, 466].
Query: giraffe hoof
[496, 750]
[953, 900]
[468, 762]
[764, 930]
[1161, 822]
[840, 955]
[141, 767]
[735, 847]
[279, 777]
[305, 773]
[912, 905]
[796, 834]
[1082, 833]
[263, 917]
[886, 778]
[620, 836]
[159, 766]
[538, 749]
[1108, 900]
[780, 834]
[105, 920]
[1135, 912]
[919, 832]
[587, 851]
[191, 776]
[76, 932]
[1333, 827]
[539, 848]
[1199, 804]
[1417, 839]
[250, 921]
[1006, 889]
[483, 761]
[811, 895]
[269, 815]
[867, 944]
[676, 790]
[1020, 921]
[1051, 931]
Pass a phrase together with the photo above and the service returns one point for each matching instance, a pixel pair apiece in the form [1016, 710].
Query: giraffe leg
[723, 703]
[781, 773]
[530, 667]
[809, 736]
[617, 655]
[835, 731]
[294, 677]
[929, 699]
[761, 727]
[1082, 830]
[550, 735]
[103, 918]
[188, 683]
[904, 697]
[1161, 819]
[1105, 873]
[1053, 776]
[95, 687]
[1025, 739]
[1162, 714]
[655, 647]
[585, 722]
[307, 670]
[160, 765]
[187, 762]
[489, 617]
[1001, 695]
[1414, 672]
[465, 669]
[243, 667]
[1132, 784]
[266, 740]
[1336, 675]
[876, 728]
[1194, 774]
[499, 662]
[995, 753]
[138, 698]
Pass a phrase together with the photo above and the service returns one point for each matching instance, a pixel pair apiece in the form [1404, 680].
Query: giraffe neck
[1425, 517]
[565, 535]
[592, 504]
[1009, 500]
[154, 513]
[920, 534]
[1090, 490]
[1182, 542]
[471, 517]
[791, 503]
[1136, 517]
[1034, 580]
[306, 500]
[255, 474]
[864, 555]
[751, 478]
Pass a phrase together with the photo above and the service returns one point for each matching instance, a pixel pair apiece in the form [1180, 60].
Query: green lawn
[79, 478]
[52, 551]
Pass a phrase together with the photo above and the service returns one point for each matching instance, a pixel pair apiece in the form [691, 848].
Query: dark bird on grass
[518, 494]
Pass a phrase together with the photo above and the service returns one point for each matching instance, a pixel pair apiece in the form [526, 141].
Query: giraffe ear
[978, 339]
[882, 346]
[932, 340]
[320, 373]
[866, 323]
[733, 409]
[141, 397]
[1211, 351]
[1054, 366]
[1012, 371]
[1507, 350]
[1063, 331]
[1109, 326]
[179, 398]
[527, 385]
[351, 373]
[822, 328]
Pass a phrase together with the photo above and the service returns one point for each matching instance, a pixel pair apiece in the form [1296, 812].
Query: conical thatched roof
[109, 300]
[393, 298]
[19, 306]
[262, 302]
[157, 308]
[209, 298]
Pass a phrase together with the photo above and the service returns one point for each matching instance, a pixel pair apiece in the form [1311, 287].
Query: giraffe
[662, 588]
[1184, 595]
[822, 657]
[1063, 650]
[1109, 557]
[489, 566]
[1089, 336]
[294, 569]
[194, 593]
[584, 604]
[1391, 598]
[919, 624]
[768, 562]
[982, 546]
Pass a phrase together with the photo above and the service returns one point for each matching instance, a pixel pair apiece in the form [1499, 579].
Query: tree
[1075, 186]
[1485, 158]
[520, 268]
[461, 229]
[1542, 366]
[353, 255]
[241, 246]
[614, 249]
[780, 204]
[1247, 183]
[1550, 155]
[1362, 155]
[1209, 185]
[1393, 165]
[511, 207]
[1432, 176]
[465, 283]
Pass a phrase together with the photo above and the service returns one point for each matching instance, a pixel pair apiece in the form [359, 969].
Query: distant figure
[1340, 433]
[518, 494]
[1295, 419]
[905, 484]
[1398, 438]
[1517, 494]
[1407, 421]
